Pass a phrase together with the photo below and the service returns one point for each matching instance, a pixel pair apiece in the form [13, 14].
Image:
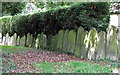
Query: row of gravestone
[91, 45]
[28, 41]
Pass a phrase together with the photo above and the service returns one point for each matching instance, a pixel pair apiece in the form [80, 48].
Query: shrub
[87, 15]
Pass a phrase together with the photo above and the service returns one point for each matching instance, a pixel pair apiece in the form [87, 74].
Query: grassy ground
[71, 67]
[56, 67]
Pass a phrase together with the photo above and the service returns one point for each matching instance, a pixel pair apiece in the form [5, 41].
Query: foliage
[87, 15]
[12, 8]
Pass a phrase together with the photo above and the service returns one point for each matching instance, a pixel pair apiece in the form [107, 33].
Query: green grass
[71, 67]
[13, 49]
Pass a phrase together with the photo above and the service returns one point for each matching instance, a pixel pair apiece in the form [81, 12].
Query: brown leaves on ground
[24, 61]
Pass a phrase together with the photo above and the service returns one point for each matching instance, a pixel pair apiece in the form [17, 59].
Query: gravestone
[18, 41]
[93, 39]
[52, 44]
[28, 40]
[119, 46]
[71, 41]
[60, 39]
[49, 41]
[31, 40]
[83, 50]
[0, 38]
[101, 45]
[43, 41]
[7, 39]
[79, 41]
[65, 41]
[3, 40]
[22, 41]
[112, 43]
[55, 42]
[14, 42]
[10, 39]
[37, 44]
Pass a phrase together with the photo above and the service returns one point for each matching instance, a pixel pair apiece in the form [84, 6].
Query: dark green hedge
[87, 15]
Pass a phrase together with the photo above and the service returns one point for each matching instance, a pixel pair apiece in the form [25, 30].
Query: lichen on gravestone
[28, 40]
[79, 41]
[71, 41]
[60, 39]
[112, 43]
[22, 41]
[65, 41]
[92, 41]
[101, 45]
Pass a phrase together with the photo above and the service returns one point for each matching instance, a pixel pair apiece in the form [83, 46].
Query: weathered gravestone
[28, 40]
[10, 39]
[60, 37]
[71, 41]
[49, 41]
[112, 43]
[7, 39]
[52, 44]
[119, 46]
[3, 40]
[43, 41]
[22, 41]
[101, 45]
[0, 38]
[56, 42]
[31, 40]
[83, 49]
[37, 44]
[79, 41]
[14, 41]
[18, 41]
[65, 41]
[93, 39]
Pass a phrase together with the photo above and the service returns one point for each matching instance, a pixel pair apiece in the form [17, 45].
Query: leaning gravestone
[93, 39]
[28, 40]
[60, 39]
[22, 41]
[101, 45]
[18, 41]
[71, 41]
[14, 42]
[79, 41]
[65, 41]
[112, 43]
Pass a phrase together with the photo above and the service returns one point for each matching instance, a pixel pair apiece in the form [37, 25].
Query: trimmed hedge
[87, 15]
